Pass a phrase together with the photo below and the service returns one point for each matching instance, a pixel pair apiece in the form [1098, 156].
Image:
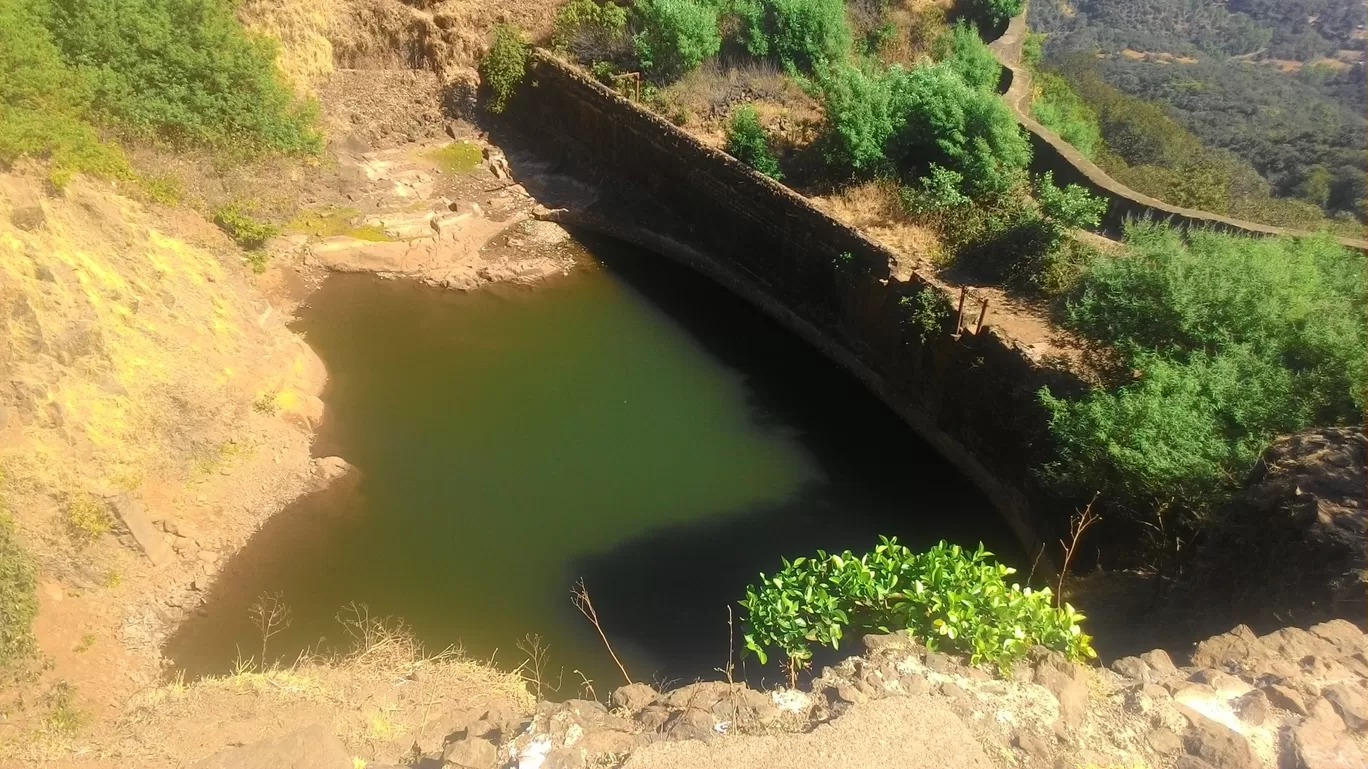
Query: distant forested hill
[1279, 84]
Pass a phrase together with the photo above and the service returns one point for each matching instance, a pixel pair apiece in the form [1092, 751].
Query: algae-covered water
[631, 425]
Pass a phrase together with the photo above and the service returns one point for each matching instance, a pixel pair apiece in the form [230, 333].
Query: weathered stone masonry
[972, 395]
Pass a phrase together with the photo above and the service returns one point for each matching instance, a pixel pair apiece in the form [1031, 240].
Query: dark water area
[632, 425]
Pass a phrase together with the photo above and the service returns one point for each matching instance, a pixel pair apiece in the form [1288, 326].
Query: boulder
[1229, 650]
[1071, 694]
[691, 724]
[1164, 742]
[633, 696]
[471, 753]
[875, 643]
[1345, 637]
[1316, 744]
[1217, 744]
[1285, 697]
[309, 748]
[953, 691]
[136, 520]
[653, 717]
[1253, 708]
[1349, 702]
[324, 471]
[1133, 668]
[1031, 744]
[1159, 662]
[1295, 644]
[703, 695]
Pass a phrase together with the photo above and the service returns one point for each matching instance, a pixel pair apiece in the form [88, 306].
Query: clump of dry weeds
[875, 208]
[382, 697]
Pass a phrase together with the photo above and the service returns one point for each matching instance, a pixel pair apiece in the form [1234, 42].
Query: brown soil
[144, 360]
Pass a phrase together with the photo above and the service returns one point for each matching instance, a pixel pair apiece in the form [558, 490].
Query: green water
[630, 425]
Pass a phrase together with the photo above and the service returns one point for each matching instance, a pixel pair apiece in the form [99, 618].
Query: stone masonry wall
[972, 395]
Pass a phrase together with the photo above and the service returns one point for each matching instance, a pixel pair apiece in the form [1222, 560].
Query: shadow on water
[475, 529]
[669, 591]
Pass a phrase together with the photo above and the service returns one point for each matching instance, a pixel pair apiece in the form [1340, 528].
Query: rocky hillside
[1290, 699]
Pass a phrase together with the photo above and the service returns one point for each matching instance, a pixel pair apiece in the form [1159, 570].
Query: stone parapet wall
[1052, 153]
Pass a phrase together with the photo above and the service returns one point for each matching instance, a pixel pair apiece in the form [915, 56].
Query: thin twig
[1077, 526]
[580, 597]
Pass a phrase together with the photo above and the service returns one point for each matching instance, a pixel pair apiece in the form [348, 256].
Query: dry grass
[306, 52]
[705, 97]
[919, 25]
[874, 208]
[381, 698]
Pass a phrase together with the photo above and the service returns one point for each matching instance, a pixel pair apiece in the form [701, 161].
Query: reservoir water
[631, 425]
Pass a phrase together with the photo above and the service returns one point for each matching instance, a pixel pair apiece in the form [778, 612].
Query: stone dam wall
[1052, 153]
[971, 395]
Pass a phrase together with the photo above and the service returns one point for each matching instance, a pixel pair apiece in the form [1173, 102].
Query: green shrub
[44, 103]
[1014, 239]
[926, 115]
[245, 230]
[861, 114]
[1061, 110]
[181, 70]
[970, 58]
[676, 35]
[950, 597]
[1233, 340]
[747, 142]
[929, 310]
[589, 30]
[990, 14]
[804, 34]
[504, 66]
[18, 597]
[937, 191]
[1033, 48]
[1068, 208]
[968, 130]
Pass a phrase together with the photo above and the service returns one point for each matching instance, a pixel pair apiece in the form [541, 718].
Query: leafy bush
[245, 230]
[676, 35]
[44, 104]
[930, 309]
[800, 34]
[937, 191]
[970, 58]
[966, 129]
[952, 598]
[1068, 208]
[1233, 340]
[589, 30]
[181, 70]
[861, 113]
[1061, 110]
[505, 66]
[990, 14]
[18, 596]
[747, 142]
[928, 114]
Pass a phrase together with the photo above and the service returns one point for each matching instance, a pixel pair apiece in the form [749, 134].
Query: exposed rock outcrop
[1294, 542]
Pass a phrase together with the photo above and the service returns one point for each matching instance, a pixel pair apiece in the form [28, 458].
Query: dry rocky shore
[1292, 699]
